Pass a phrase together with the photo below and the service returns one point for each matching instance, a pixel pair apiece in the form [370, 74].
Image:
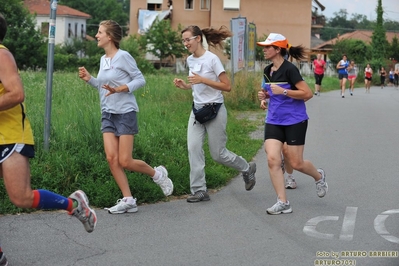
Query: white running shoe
[280, 207]
[164, 181]
[290, 182]
[3, 260]
[321, 185]
[122, 207]
[83, 211]
[249, 176]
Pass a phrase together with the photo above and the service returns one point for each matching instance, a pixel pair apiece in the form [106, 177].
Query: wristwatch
[285, 92]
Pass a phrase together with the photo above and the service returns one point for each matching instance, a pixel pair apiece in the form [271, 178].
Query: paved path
[356, 141]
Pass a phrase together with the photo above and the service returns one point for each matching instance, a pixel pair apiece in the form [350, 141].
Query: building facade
[70, 23]
[293, 19]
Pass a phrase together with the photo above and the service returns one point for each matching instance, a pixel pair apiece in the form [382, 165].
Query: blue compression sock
[44, 199]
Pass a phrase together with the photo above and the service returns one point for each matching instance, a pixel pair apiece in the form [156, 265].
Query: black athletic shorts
[293, 134]
[23, 149]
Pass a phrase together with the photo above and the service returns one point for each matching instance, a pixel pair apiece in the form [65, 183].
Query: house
[294, 19]
[70, 23]
[363, 35]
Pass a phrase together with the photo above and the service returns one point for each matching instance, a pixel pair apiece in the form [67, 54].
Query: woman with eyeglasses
[208, 79]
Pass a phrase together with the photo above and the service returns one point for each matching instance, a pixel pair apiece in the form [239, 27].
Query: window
[154, 7]
[76, 30]
[82, 31]
[189, 4]
[69, 30]
[231, 4]
[205, 4]
[45, 28]
[155, 2]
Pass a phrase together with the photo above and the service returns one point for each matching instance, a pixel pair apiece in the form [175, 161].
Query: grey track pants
[217, 138]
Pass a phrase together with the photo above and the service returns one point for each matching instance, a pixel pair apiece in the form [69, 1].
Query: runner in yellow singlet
[17, 146]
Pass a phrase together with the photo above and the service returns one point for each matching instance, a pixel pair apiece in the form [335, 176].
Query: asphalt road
[355, 140]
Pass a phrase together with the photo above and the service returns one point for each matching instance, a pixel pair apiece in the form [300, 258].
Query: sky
[364, 7]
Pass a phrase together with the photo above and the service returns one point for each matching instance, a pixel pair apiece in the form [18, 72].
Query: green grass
[76, 159]
[332, 83]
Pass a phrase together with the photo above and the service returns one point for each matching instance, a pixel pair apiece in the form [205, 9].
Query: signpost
[238, 43]
[251, 50]
[242, 46]
[49, 79]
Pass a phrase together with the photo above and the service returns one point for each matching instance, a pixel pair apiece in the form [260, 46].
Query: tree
[394, 49]
[125, 5]
[335, 26]
[134, 45]
[361, 22]
[101, 10]
[339, 19]
[163, 42]
[354, 49]
[391, 25]
[22, 39]
[379, 42]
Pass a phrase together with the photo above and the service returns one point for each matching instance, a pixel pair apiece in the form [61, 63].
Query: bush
[70, 56]
[354, 49]
[132, 45]
[245, 86]
[90, 63]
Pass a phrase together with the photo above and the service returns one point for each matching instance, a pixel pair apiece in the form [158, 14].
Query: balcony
[318, 22]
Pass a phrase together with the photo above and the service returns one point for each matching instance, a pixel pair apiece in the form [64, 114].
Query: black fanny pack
[206, 113]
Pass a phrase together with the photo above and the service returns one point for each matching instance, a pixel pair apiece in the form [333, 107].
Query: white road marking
[348, 225]
[379, 225]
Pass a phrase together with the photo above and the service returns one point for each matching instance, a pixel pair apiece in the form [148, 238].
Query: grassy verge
[76, 158]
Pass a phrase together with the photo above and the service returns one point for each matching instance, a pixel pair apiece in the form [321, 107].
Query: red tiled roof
[42, 7]
[363, 35]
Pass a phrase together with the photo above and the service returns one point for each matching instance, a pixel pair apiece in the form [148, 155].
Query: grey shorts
[119, 124]
[23, 149]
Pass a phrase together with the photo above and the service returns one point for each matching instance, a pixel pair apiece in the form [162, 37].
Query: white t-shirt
[208, 66]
